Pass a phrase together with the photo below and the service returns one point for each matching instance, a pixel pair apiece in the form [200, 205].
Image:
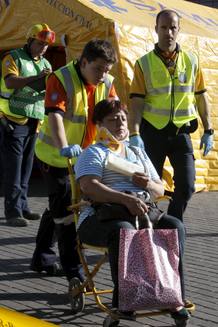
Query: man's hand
[71, 151]
[206, 143]
[44, 72]
[136, 140]
[18, 82]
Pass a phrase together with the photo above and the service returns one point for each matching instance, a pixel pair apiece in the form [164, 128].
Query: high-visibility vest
[75, 117]
[169, 98]
[25, 100]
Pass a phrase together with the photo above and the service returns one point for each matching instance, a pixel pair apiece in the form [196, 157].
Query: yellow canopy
[73, 16]
[129, 25]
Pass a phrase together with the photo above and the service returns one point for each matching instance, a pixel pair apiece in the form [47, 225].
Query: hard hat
[41, 32]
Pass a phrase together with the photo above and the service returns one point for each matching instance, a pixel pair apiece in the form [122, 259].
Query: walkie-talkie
[6, 124]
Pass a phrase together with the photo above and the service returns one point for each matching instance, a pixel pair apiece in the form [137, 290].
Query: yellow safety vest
[169, 98]
[75, 117]
[4, 105]
[27, 67]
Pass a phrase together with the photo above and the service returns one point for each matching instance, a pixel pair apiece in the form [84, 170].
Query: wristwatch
[209, 131]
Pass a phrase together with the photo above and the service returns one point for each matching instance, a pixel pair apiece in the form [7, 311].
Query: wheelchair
[78, 290]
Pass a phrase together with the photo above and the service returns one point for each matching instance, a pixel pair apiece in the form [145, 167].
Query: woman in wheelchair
[102, 185]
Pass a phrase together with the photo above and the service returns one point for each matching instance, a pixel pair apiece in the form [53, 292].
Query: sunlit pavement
[46, 298]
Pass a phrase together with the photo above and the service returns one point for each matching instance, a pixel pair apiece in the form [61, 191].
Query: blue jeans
[17, 160]
[107, 234]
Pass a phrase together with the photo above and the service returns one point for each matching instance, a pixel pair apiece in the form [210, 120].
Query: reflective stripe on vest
[108, 84]
[163, 90]
[69, 88]
[160, 86]
[165, 112]
[45, 138]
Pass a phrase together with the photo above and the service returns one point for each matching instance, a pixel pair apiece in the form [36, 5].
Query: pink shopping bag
[148, 269]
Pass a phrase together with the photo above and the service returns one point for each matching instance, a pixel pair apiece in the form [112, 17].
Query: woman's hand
[92, 187]
[140, 180]
[155, 188]
[135, 205]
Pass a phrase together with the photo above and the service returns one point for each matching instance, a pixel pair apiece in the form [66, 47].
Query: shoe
[17, 222]
[181, 317]
[36, 268]
[31, 215]
[52, 270]
[126, 315]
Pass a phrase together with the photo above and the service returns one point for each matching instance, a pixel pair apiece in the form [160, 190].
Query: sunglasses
[46, 36]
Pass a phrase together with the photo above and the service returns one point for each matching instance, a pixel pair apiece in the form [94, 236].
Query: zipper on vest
[172, 98]
[173, 91]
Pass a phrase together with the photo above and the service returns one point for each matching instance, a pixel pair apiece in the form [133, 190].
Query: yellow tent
[129, 25]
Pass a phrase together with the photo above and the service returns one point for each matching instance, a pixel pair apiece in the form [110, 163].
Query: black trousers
[44, 256]
[163, 143]
[59, 196]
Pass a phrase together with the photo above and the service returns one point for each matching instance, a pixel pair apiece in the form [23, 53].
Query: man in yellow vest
[71, 94]
[166, 92]
[21, 107]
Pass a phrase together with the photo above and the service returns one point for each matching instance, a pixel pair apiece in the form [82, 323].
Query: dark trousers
[163, 143]
[1, 155]
[44, 255]
[59, 195]
[107, 233]
[17, 160]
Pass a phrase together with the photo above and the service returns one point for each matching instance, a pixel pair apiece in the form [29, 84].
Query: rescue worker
[167, 94]
[21, 108]
[71, 94]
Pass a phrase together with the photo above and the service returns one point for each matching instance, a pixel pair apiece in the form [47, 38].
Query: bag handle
[146, 221]
[139, 155]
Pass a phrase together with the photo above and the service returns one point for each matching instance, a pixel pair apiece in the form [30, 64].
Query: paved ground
[45, 297]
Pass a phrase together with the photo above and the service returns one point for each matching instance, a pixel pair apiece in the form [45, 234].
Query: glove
[71, 151]
[136, 140]
[206, 143]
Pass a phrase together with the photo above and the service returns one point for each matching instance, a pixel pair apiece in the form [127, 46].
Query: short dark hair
[97, 48]
[166, 12]
[105, 108]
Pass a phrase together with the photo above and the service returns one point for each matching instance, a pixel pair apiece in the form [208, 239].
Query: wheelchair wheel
[189, 306]
[77, 301]
[110, 322]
